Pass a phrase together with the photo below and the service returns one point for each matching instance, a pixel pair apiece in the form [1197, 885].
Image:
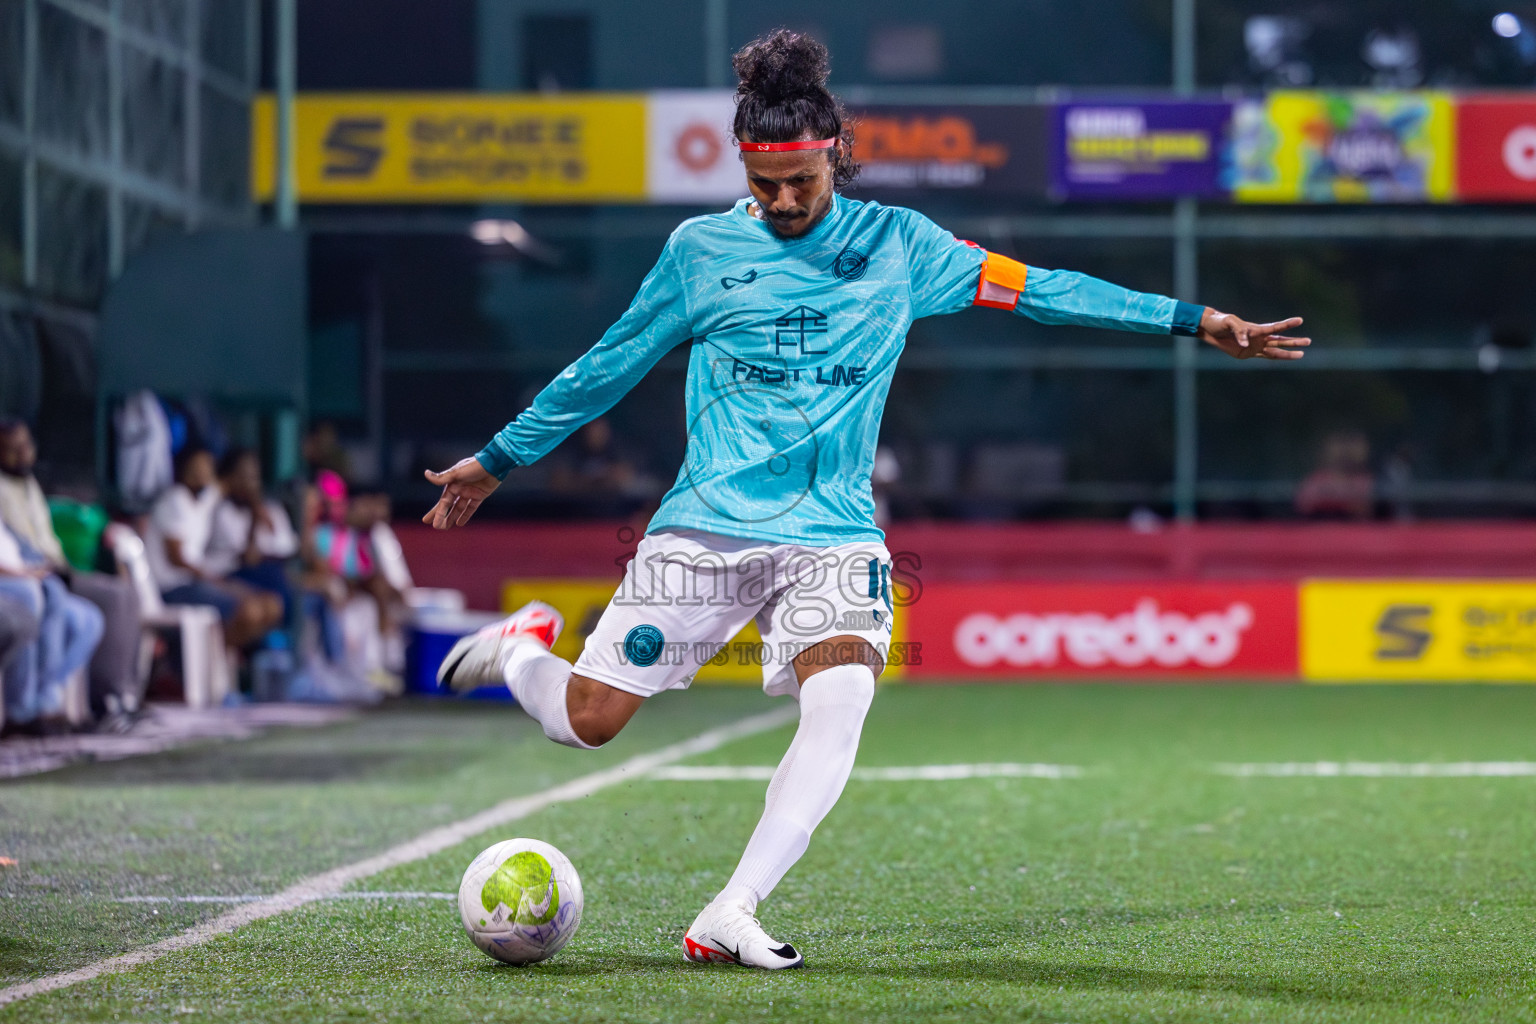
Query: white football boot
[476, 659]
[725, 932]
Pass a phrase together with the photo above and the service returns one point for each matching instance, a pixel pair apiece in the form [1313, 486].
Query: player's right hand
[464, 486]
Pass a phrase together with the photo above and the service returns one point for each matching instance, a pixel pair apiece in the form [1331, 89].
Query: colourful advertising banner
[1110, 150]
[1418, 631]
[1344, 147]
[1496, 148]
[998, 150]
[675, 146]
[1109, 629]
[691, 156]
[434, 147]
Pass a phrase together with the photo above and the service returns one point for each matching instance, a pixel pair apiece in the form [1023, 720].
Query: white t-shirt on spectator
[10, 552]
[232, 529]
[186, 517]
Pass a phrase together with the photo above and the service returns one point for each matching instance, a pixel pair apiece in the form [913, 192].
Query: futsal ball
[520, 901]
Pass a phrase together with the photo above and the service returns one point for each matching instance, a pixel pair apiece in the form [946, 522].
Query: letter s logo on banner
[1403, 632]
[1115, 629]
[353, 147]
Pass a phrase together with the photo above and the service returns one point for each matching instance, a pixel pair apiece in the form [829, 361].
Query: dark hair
[783, 97]
[232, 459]
[10, 424]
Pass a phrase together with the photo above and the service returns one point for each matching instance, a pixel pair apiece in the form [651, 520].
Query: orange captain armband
[1002, 282]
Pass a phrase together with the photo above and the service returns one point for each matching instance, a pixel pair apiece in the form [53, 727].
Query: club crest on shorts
[642, 645]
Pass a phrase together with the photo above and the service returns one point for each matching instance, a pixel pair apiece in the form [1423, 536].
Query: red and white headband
[785, 147]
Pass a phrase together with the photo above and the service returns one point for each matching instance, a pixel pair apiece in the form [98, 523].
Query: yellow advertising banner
[443, 147]
[1418, 631]
[582, 601]
[1344, 147]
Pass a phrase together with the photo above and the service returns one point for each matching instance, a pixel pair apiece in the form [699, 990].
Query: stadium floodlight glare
[1507, 25]
[499, 232]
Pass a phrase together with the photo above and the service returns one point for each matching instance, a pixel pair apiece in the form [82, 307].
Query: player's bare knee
[592, 730]
[836, 651]
[598, 712]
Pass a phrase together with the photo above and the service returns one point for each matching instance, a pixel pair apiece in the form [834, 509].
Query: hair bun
[782, 66]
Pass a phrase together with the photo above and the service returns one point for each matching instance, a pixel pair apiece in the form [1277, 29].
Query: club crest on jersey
[850, 264]
[730, 282]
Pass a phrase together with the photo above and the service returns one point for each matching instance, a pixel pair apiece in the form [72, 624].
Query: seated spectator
[340, 562]
[18, 630]
[595, 466]
[252, 537]
[115, 679]
[69, 628]
[322, 451]
[1341, 487]
[176, 545]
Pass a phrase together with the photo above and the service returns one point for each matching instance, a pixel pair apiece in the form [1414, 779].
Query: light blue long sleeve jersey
[794, 344]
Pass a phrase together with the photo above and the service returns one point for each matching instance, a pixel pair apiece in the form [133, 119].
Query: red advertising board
[1107, 630]
[1496, 148]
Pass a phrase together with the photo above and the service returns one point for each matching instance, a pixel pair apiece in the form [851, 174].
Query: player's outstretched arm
[1243, 340]
[465, 485]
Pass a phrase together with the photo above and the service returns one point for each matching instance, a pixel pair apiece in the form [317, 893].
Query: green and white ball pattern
[520, 901]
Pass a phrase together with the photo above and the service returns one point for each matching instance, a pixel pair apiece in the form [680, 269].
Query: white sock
[809, 780]
[538, 680]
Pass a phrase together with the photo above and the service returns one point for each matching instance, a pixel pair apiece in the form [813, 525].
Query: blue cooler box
[432, 636]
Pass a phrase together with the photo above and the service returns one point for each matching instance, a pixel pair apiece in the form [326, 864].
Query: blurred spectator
[340, 561]
[388, 553]
[322, 450]
[336, 547]
[1397, 483]
[176, 544]
[68, 631]
[143, 442]
[19, 626]
[596, 466]
[252, 537]
[115, 678]
[1341, 487]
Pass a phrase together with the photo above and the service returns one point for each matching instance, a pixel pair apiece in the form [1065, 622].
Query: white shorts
[687, 593]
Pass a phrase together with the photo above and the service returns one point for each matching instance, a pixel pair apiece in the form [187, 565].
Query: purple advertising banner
[1140, 150]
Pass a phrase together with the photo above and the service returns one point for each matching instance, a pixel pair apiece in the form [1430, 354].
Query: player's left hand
[465, 485]
[1242, 340]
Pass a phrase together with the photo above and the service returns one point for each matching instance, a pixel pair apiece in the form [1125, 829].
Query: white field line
[915, 773]
[1381, 769]
[325, 884]
[252, 898]
[945, 772]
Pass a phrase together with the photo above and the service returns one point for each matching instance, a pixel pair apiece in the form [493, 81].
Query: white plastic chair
[205, 668]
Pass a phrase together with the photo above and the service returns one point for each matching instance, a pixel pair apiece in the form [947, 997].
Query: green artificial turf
[1150, 889]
